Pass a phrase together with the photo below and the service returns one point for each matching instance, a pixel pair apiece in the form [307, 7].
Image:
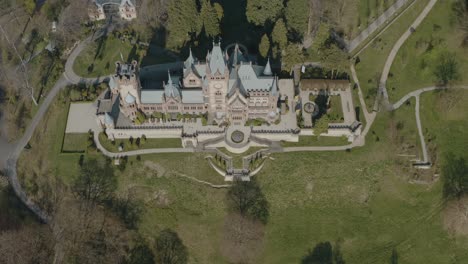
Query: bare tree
[242, 239]
[29, 244]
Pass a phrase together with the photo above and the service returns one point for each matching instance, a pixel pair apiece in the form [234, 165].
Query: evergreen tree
[183, 20]
[333, 58]
[297, 16]
[292, 55]
[219, 10]
[321, 38]
[321, 126]
[260, 11]
[279, 34]
[264, 46]
[209, 19]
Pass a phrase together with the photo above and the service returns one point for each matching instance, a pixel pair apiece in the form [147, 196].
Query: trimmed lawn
[149, 143]
[75, 142]
[414, 65]
[373, 58]
[314, 141]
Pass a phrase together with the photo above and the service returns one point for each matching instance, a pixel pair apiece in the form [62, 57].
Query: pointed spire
[267, 70]
[170, 79]
[190, 60]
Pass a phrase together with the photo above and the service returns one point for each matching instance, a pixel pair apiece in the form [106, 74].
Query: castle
[225, 88]
[126, 9]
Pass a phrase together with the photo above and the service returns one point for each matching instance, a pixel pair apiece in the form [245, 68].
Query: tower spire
[170, 79]
[267, 70]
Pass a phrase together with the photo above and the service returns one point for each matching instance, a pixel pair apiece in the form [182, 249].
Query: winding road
[8, 161]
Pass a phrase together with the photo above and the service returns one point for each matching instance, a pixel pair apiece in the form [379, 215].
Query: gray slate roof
[152, 96]
[192, 96]
[217, 60]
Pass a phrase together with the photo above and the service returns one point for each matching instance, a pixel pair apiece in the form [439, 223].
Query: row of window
[172, 107]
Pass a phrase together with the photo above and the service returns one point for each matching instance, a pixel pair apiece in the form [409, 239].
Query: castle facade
[225, 88]
[126, 9]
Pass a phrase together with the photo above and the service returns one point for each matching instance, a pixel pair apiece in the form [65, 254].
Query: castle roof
[130, 99]
[108, 119]
[171, 89]
[112, 83]
[152, 96]
[192, 96]
[217, 60]
[252, 79]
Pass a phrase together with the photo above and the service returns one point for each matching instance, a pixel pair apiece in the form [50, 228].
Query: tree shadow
[321, 254]
[324, 253]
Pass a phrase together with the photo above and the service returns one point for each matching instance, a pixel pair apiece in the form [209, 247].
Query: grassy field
[373, 58]
[147, 144]
[314, 141]
[362, 198]
[75, 142]
[414, 65]
[369, 10]
[98, 59]
[444, 116]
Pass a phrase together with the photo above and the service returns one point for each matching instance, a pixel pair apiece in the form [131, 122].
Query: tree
[460, 8]
[96, 182]
[333, 58]
[454, 176]
[324, 253]
[321, 126]
[264, 47]
[394, 257]
[446, 69]
[321, 254]
[279, 34]
[29, 6]
[183, 20]
[28, 244]
[322, 37]
[292, 55]
[170, 249]
[247, 199]
[209, 19]
[219, 11]
[297, 16]
[260, 11]
[242, 239]
[141, 254]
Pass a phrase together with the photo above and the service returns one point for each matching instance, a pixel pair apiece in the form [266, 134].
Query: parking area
[81, 118]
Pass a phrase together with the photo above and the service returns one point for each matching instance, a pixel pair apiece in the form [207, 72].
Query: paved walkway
[137, 152]
[391, 57]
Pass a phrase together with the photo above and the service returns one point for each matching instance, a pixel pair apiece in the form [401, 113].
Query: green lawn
[314, 141]
[414, 65]
[370, 10]
[149, 143]
[75, 142]
[373, 58]
[102, 60]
